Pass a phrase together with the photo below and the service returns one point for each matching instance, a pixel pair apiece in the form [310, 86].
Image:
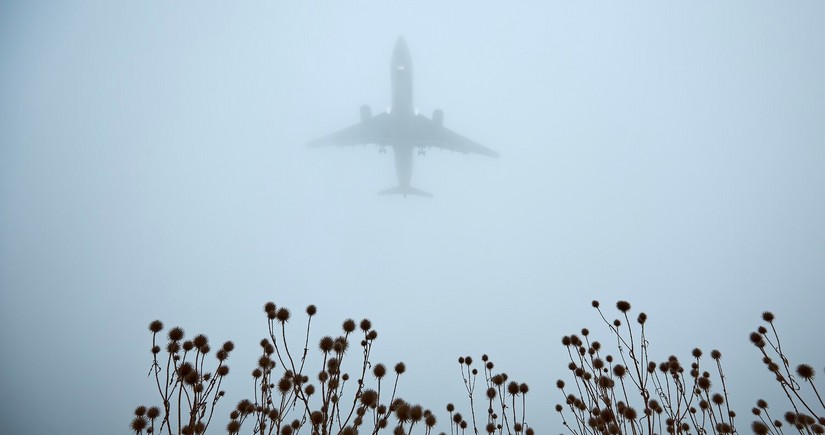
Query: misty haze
[189, 162]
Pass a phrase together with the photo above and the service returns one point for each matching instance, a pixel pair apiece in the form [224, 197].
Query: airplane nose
[401, 54]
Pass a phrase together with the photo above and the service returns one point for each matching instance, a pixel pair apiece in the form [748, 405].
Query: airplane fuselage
[402, 111]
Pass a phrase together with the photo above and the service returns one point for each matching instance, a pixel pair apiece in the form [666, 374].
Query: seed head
[767, 316]
[715, 354]
[325, 344]
[400, 368]
[806, 372]
[269, 306]
[595, 304]
[311, 310]
[139, 424]
[642, 318]
[200, 341]
[349, 325]
[176, 333]
[156, 326]
[512, 388]
[282, 315]
[379, 370]
[365, 325]
[623, 306]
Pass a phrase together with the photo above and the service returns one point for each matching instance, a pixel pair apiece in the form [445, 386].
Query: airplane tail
[405, 190]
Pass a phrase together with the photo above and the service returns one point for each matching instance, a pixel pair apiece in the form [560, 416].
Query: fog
[153, 166]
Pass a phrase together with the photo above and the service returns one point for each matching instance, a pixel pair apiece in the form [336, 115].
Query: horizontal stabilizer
[405, 190]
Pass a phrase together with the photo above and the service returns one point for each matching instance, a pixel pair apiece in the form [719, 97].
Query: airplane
[402, 128]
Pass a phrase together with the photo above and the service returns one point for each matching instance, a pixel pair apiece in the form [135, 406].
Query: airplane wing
[373, 130]
[430, 134]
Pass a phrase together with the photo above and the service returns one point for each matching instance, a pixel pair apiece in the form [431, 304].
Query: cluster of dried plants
[505, 401]
[290, 393]
[625, 392]
[621, 391]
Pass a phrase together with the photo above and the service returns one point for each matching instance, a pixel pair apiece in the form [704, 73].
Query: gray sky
[152, 166]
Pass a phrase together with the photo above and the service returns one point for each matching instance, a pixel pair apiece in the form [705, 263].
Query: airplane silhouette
[402, 128]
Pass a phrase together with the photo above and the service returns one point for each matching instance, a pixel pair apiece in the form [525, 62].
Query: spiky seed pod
[717, 399]
[369, 397]
[461, 360]
[348, 325]
[457, 418]
[523, 388]
[490, 428]
[221, 355]
[517, 427]
[430, 421]
[595, 304]
[140, 411]
[715, 354]
[512, 388]
[156, 326]
[697, 353]
[325, 344]
[767, 316]
[228, 346]
[416, 413]
[623, 306]
[703, 383]
[200, 341]
[756, 339]
[257, 373]
[619, 370]
[529, 431]
[282, 315]
[365, 325]
[316, 418]
[155, 350]
[284, 385]
[703, 404]
[491, 393]
[188, 345]
[806, 372]
[269, 306]
[233, 427]
[176, 334]
[762, 404]
[340, 345]
[463, 424]
[345, 376]
[617, 323]
[560, 384]
[475, 372]
[598, 363]
[489, 365]
[629, 413]
[759, 428]
[223, 370]
[566, 341]
[450, 407]
[468, 360]
[264, 362]
[311, 310]
[139, 424]
[286, 430]
[372, 335]
[642, 318]
[400, 368]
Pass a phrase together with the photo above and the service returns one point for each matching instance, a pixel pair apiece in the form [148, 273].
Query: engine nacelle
[438, 117]
[366, 113]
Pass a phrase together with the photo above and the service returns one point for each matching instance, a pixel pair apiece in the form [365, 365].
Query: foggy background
[152, 165]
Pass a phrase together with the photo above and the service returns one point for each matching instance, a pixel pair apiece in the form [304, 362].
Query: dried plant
[285, 399]
[505, 400]
[808, 414]
[621, 391]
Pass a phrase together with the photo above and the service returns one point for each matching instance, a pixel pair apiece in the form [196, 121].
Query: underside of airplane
[402, 129]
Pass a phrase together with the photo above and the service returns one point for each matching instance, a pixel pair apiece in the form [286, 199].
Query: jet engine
[366, 113]
[438, 117]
